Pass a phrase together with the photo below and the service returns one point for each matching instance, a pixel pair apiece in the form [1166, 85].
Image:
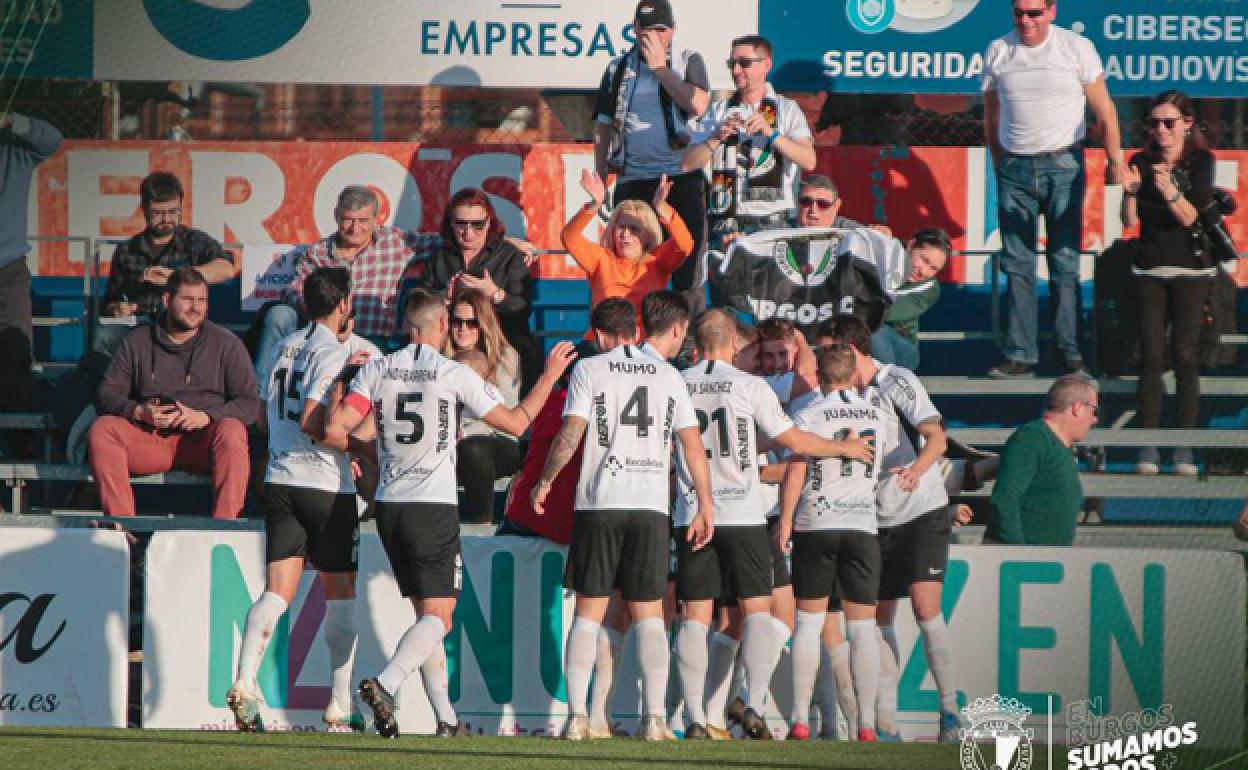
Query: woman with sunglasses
[632, 259]
[484, 454]
[475, 254]
[1166, 183]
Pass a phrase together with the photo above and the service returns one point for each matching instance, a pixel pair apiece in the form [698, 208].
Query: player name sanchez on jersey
[904, 397]
[633, 402]
[307, 363]
[415, 393]
[728, 403]
[841, 493]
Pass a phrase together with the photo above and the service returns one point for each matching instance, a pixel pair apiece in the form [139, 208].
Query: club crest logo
[614, 466]
[996, 738]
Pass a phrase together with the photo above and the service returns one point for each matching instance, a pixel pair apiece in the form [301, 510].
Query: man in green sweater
[1038, 494]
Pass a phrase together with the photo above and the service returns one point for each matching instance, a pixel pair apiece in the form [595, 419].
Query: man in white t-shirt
[755, 143]
[1037, 82]
[309, 501]
[416, 395]
[737, 564]
[628, 407]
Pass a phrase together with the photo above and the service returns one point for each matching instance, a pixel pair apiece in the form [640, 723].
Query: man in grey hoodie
[179, 394]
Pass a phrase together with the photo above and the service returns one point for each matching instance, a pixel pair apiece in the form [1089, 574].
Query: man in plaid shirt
[379, 257]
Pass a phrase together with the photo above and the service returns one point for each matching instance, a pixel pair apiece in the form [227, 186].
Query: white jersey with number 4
[633, 402]
[840, 493]
[729, 403]
[416, 394]
[306, 365]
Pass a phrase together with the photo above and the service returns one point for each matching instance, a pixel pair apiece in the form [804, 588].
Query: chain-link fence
[435, 114]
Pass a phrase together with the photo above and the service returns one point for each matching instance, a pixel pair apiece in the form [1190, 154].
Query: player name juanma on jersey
[849, 413]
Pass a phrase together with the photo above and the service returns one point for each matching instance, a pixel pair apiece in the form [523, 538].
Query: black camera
[1214, 239]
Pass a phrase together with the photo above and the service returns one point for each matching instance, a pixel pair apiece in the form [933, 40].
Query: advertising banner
[284, 192]
[484, 43]
[937, 46]
[64, 627]
[266, 269]
[1129, 630]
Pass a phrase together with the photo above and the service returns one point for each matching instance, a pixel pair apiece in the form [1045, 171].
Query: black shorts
[625, 550]
[780, 575]
[913, 552]
[831, 561]
[322, 527]
[736, 563]
[422, 542]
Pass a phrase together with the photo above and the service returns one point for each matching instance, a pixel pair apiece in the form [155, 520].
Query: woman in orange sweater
[632, 259]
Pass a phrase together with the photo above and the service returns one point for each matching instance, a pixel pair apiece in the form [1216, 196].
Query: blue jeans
[889, 347]
[1029, 187]
[280, 320]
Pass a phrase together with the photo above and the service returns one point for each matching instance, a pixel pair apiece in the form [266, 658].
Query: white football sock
[864, 663]
[692, 659]
[606, 669]
[655, 658]
[781, 684]
[340, 639]
[886, 699]
[939, 648]
[261, 620]
[579, 662]
[416, 645]
[760, 649]
[805, 663]
[841, 687]
[722, 656]
[433, 671]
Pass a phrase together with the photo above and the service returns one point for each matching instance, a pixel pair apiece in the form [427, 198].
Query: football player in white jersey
[309, 501]
[729, 403]
[415, 394]
[833, 539]
[628, 407]
[915, 525]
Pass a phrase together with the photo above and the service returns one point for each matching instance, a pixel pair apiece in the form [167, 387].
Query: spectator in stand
[25, 142]
[484, 454]
[897, 339]
[473, 252]
[1037, 82]
[633, 259]
[1038, 494]
[179, 394]
[819, 205]
[1167, 183]
[644, 111]
[142, 265]
[377, 256]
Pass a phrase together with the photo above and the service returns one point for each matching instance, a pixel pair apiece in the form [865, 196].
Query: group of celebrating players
[855, 510]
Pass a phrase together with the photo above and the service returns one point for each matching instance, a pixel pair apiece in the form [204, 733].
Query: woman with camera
[1166, 186]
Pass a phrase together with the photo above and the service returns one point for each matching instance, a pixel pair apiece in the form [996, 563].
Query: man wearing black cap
[646, 105]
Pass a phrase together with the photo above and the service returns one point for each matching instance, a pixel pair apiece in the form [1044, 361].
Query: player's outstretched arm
[517, 419]
[702, 528]
[801, 442]
[561, 450]
[790, 494]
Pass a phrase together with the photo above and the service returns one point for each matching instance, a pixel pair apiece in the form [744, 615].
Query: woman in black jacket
[1166, 183]
[475, 254]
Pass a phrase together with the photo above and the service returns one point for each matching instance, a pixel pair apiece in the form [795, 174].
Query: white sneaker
[577, 728]
[339, 720]
[246, 707]
[1149, 462]
[598, 730]
[654, 728]
[1185, 462]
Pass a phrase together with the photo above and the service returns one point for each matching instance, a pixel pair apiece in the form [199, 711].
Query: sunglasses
[470, 224]
[1031, 13]
[743, 62]
[467, 323]
[1169, 123]
[823, 204]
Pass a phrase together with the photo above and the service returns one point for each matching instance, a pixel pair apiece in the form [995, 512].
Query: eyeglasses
[1031, 13]
[632, 227]
[743, 62]
[1096, 410]
[467, 323]
[470, 224]
[159, 214]
[1169, 123]
[823, 204]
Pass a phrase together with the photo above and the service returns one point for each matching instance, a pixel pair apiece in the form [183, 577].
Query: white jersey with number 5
[729, 403]
[633, 402]
[416, 394]
[840, 493]
[306, 365]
